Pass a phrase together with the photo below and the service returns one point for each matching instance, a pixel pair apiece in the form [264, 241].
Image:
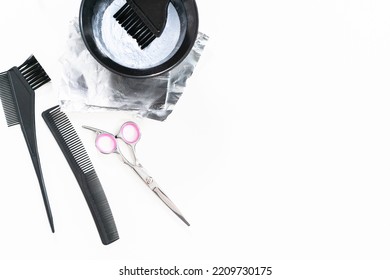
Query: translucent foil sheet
[85, 85]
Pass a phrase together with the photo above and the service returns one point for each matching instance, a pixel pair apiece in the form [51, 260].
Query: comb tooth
[77, 151]
[73, 146]
[8, 101]
[73, 143]
[68, 136]
[63, 120]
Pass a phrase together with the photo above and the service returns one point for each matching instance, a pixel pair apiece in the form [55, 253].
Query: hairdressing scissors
[130, 134]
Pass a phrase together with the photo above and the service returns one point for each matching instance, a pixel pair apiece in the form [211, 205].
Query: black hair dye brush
[17, 87]
[144, 20]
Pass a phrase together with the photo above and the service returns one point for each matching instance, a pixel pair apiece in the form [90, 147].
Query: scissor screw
[149, 180]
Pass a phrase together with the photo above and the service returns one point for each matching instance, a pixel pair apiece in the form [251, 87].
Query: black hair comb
[17, 87]
[78, 160]
[144, 20]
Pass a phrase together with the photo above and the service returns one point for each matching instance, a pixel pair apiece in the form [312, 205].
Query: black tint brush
[144, 20]
[17, 87]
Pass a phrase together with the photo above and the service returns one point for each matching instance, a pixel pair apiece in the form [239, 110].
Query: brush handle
[25, 105]
[98, 205]
[154, 12]
[38, 171]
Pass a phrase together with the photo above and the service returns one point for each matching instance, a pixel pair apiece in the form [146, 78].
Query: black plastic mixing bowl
[90, 15]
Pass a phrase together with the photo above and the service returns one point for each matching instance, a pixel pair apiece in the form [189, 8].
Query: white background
[278, 150]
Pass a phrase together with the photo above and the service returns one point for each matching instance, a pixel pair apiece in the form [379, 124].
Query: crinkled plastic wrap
[87, 86]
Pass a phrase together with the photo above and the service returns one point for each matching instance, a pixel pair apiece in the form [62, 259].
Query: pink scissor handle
[106, 143]
[130, 133]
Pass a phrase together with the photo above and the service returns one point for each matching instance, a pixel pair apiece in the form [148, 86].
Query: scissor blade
[170, 204]
[97, 130]
[91, 128]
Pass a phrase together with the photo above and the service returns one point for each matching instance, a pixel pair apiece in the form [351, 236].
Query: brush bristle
[8, 101]
[78, 159]
[128, 18]
[34, 73]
